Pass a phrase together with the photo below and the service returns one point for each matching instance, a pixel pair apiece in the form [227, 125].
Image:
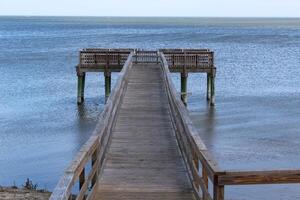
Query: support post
[107, 76]
[212, 100]
[80, 90]
[208, 87]
[184, 77]
[218, 192]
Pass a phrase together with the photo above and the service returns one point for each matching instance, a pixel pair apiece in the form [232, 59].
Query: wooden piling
[208, 87]
[212, 96]
[107, 77]
[184, 78]
[80, 90]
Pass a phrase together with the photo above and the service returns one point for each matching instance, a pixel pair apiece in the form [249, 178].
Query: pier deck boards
[143, 160]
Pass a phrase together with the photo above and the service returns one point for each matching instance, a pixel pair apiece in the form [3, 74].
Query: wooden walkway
[145, 145]
[143, 160]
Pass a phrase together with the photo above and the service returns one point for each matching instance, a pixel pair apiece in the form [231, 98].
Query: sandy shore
[8, 193]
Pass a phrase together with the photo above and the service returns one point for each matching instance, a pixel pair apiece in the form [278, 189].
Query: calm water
[255, 124]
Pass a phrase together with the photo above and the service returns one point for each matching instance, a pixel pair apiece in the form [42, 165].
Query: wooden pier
[183, 61]
[145, 145]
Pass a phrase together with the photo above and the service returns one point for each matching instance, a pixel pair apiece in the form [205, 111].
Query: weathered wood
[218, 192]
[94, 164]
[208, 86]
[205, 183]
[143, 157]
[80, 90]
[182, 61]
[188, 138]
[212, 90]
[107, 84]
[81, 178]
[184, 79]
[259, 177]
[195, 60]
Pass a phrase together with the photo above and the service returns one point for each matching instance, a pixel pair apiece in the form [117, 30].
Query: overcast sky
[194, 8]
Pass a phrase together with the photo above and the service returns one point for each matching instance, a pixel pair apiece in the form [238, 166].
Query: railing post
[80, 89]
[205, 179]
[218, 189]
[218, 192]
[196, 163]
[94, 163]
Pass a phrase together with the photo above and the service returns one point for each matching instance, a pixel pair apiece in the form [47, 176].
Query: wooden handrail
[259, 177]
[192, 147]
[102, 58]
[195, 152]
[95, 148]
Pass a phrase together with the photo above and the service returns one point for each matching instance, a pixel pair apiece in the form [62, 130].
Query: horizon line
[131, 16]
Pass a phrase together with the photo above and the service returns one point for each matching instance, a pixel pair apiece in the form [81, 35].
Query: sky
[185, 8]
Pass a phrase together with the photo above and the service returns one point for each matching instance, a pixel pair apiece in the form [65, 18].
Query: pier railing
[200, 164]
[93, 152]
[146, 56]
[93, 58]
[191, 60]
[179, 60]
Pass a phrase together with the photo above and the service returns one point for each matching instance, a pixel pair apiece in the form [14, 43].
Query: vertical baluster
[82, 179]
[205, 179]
[173, 61]
[196, 163]
[94, 164]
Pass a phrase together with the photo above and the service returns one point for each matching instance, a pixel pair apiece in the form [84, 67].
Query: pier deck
[143, 161]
